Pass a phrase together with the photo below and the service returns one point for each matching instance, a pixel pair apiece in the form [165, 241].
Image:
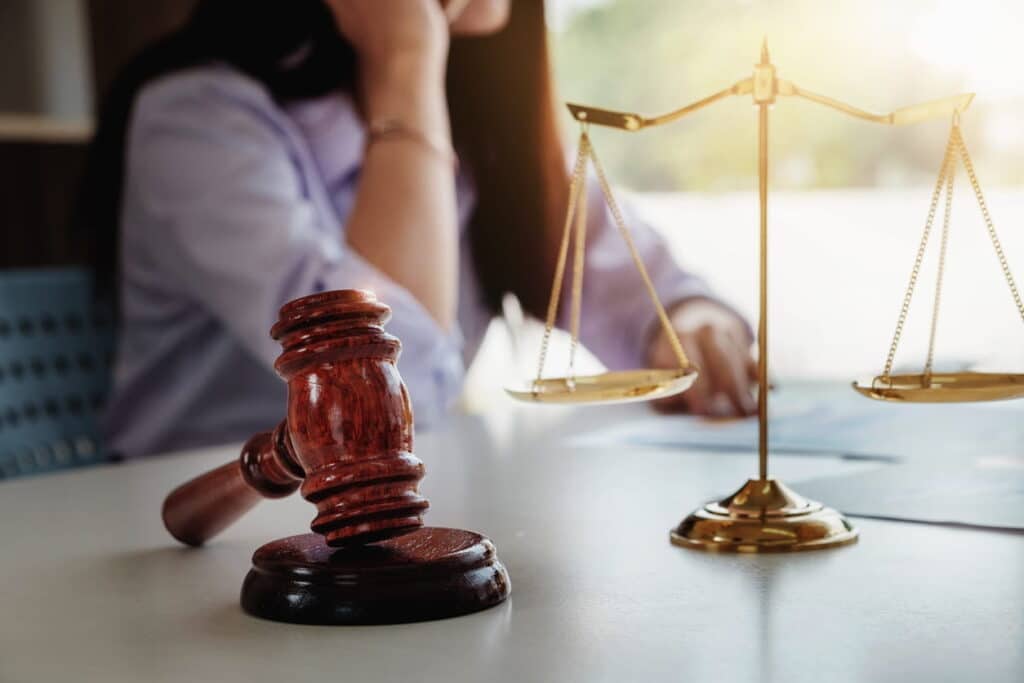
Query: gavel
[346, 440]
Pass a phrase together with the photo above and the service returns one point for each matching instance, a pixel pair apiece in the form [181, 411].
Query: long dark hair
[500, 101]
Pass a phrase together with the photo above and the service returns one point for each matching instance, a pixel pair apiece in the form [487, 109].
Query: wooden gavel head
[347, 437]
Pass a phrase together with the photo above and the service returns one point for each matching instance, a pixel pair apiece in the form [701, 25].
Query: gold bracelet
[394, 129]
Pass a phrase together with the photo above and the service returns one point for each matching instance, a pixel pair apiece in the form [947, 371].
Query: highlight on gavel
[346, 442]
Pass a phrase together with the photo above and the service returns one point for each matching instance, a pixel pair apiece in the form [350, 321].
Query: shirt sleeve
[232, 225]
[617, 314]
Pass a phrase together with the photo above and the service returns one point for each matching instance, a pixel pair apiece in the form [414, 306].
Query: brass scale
[764, 514]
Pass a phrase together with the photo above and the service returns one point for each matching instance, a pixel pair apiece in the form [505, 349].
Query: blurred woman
[271, 149]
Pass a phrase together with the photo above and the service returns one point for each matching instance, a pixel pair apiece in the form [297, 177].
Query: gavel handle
[200, 509]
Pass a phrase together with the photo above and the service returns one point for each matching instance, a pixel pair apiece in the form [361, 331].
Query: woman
[272, 149]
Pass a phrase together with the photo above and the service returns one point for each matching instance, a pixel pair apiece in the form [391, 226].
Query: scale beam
[942, 108]
[630, 121]
[764, 86]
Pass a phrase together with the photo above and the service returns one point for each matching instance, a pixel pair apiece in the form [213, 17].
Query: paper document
[834, 420]
[988, 494]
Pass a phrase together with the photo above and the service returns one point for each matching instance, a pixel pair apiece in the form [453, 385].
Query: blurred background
[656, 55]
[848, 201]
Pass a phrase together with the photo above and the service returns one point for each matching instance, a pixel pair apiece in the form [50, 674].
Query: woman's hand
[718, 342]
[382, 31]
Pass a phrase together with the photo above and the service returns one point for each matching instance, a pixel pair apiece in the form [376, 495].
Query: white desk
[93, 589]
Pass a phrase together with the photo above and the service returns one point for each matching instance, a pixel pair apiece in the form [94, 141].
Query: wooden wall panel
[39, 179]
[38, 186]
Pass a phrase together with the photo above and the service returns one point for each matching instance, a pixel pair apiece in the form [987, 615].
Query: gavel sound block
[346, 442]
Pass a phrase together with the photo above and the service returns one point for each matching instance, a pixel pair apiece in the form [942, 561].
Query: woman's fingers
[723, 387]
[698, 398]
[692, 400]
[718, 343]
[725, 364]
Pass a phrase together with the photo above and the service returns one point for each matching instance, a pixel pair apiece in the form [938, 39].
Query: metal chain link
[578, 260]
[1007, 273]
[909, 295]
[673, 338]
[577, 182]
[950, 177]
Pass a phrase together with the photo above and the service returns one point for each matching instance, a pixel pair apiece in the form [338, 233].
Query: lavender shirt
[234, 205]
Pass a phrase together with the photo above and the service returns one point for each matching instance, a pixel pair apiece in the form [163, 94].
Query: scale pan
[609, 387]
[953, 387]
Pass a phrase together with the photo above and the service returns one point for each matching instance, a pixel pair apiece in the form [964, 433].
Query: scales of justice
[763, 514]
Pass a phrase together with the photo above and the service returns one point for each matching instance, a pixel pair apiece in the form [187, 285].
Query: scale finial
[764, 50]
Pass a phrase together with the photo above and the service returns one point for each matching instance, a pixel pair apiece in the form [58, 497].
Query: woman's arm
[217, 215]
[404, 219]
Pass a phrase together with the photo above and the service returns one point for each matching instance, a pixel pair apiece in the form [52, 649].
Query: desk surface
[94, 589]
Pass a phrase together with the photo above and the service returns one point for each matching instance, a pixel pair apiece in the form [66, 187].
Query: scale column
[763, 515]
[762, 326]
[764, 91]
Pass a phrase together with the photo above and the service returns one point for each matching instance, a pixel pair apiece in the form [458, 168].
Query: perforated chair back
[56, 348]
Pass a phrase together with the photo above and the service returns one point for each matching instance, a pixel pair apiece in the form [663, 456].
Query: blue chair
[56, 351]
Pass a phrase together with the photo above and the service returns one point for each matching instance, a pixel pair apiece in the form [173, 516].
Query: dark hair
[500, 102]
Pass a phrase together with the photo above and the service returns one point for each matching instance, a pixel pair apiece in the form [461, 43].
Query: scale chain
[620, 223]
[954, 147]
[575, 184]
[989, 225]
[944, 169]
[579, 256]
[950, 177]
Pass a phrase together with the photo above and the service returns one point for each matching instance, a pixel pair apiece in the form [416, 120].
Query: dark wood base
[430, 573]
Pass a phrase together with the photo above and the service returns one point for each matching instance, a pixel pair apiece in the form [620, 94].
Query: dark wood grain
[350, 423]
[347, 437]
[430, 573]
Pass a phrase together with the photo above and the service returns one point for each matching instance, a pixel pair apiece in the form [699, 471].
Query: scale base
[430, 573]
[763, 516]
